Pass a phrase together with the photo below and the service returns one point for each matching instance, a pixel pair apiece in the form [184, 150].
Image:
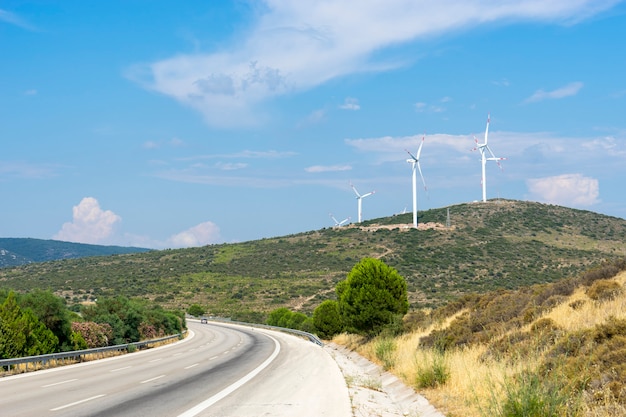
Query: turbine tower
[415, 163]
[484, 148]
[338, 223]
[359, 199]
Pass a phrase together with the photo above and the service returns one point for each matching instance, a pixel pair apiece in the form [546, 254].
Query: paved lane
[215, 367]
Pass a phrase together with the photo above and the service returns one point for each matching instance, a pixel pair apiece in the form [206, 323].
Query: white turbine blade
[419, 168]
[368, 194]
[487, 128]
[413, 159]
[355, 191]
[419, 150]
[476, 146]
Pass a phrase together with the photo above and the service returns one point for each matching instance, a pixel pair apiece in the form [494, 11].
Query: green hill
[20, 251]
[498, 244]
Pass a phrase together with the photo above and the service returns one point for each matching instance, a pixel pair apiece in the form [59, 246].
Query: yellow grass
[474, 383]
[591, 312]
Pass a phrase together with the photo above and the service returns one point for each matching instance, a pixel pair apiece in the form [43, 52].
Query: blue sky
[171, 124]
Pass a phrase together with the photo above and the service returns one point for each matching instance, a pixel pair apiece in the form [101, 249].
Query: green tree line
[39, 322]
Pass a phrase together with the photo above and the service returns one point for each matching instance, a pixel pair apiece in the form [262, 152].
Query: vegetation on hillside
[555, 349]
[39, 323]
[498, 244]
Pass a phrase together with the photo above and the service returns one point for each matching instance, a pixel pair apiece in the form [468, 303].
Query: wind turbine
[338, 223]
[483, 148]
[415, 163]
[359, 199]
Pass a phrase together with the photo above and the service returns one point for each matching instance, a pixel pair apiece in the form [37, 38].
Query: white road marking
[59, 383]
[194, 411]
[156, 360]
[120, 369]
[152, 379]
[191, 366]
[214, 357]
[76, 403]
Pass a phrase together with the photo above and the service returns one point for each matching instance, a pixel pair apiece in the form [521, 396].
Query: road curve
[217, 370]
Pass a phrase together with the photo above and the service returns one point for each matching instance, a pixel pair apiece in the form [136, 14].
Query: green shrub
[196, 310]
[434, 374]
[371, 297]
[385, 348]
[326, 319]
[528, 395]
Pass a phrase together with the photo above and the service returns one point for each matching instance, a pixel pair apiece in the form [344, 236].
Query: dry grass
[590, 313]
[477, 381]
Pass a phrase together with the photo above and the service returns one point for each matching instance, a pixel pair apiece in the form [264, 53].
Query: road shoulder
[375, 392]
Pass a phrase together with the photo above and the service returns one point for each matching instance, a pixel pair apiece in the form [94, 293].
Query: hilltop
[498, 244]
[20, 251]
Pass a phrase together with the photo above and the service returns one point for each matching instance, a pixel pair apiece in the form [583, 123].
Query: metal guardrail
[307, 335]
[78, 354]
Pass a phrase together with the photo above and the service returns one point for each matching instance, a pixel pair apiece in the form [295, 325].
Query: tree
[21, 332]
[279, 317]
[372, 296]
[52, 312]
[196, 310]
[327, 320]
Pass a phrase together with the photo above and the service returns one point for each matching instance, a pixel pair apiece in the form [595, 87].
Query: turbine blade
[419, 150]
[476, 146]
[487, 128]
[355, 191]
[419, 168]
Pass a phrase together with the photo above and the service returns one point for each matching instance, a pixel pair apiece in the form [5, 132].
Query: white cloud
[12, 18]
[31, 92]
[90, 224]
[568, 190]
[327, 168]
[150, 144]
[569, 90]
[230, 166]
[295, 46]
[314, 118]
[420, 107]
[20, 169]
[202, 234]
[174, 142]
[350, 104]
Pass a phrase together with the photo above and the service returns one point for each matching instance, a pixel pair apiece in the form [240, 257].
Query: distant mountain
[21, 251]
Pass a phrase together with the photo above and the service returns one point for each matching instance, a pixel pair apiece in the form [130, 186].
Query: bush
[603, 290]
[196, 310]
[326, 319]
[371, 297]
[531, 396]
[434, 374]
[384, 348]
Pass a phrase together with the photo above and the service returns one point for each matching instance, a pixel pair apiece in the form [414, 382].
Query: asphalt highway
[218, 370]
